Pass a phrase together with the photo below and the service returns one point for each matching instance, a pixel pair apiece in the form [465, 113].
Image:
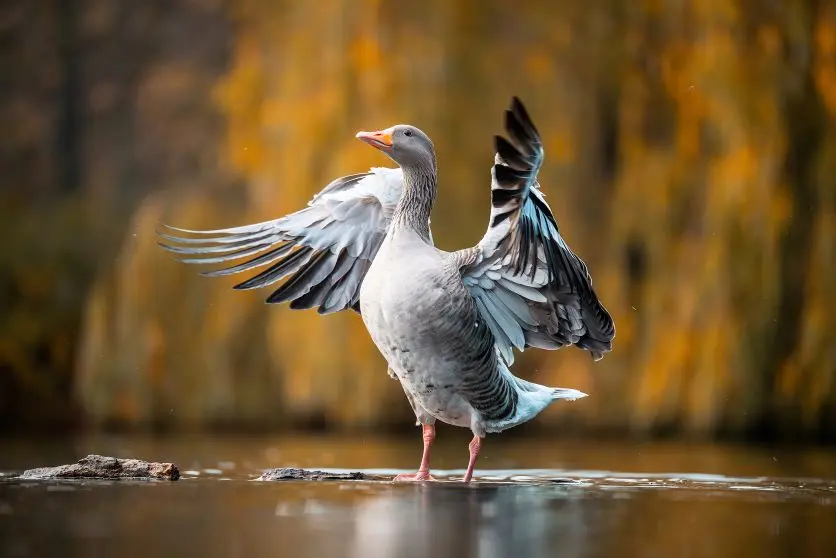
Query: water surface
[533, 497]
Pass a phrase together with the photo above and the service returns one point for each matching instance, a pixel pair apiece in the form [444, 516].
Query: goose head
[407, 145]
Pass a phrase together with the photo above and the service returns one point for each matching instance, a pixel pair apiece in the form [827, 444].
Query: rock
[292, 473]
[101, 467]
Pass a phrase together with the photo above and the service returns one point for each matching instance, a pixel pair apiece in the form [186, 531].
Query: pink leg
[474, 447]
[424, 470]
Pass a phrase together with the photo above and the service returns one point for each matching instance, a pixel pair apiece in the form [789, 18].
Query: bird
[447, 323]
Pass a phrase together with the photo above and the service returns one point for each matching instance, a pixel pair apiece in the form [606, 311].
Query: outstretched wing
[324, 250]
[529, 286]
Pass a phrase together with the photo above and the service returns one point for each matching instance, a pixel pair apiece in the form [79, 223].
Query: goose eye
[407, 133]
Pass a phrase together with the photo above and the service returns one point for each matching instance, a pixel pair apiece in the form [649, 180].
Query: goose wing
[323, 250]
[529, 287]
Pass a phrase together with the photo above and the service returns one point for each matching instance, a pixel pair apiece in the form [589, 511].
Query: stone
[292, 473]
[105, 468]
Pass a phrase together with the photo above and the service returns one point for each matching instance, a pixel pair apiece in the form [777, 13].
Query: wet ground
[532, 497]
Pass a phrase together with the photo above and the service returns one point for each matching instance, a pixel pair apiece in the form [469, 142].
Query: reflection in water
[457, 521]
[239, 517]
[217, 509]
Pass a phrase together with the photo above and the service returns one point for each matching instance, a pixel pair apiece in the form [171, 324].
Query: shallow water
[531, 498]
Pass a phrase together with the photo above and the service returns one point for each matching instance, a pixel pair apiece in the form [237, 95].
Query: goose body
[423, 320]
[446, 322]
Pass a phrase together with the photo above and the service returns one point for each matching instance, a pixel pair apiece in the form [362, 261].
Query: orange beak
[381, 140]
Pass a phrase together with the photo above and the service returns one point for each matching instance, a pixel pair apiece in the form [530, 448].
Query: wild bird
[446, 322]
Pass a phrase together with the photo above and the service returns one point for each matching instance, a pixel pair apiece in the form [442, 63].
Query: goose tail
[567, 394]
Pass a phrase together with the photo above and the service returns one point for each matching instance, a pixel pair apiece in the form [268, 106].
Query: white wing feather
[323, 250]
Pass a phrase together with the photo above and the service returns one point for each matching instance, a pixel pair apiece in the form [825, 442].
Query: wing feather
[532, 290]
[323, 250]
[503, 343]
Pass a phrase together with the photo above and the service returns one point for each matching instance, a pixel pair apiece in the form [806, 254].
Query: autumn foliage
[691, 151]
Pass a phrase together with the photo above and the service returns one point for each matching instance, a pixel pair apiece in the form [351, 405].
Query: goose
[447, 323]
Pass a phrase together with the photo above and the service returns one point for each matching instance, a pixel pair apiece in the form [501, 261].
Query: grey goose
[446, 322]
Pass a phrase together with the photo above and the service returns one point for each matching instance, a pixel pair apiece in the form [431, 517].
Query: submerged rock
[101, 467]
[292, 473]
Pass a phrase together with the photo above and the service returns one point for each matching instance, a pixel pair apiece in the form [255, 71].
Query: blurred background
[691, 155]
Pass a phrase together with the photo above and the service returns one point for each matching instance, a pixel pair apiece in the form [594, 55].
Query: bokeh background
[691, 162]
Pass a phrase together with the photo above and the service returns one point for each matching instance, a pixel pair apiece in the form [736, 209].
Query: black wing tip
[510, 155]
[517, 116]
[299, 284]
[522, 145]
[519, 110]
[277, 271]
[521, 113]
[509, 176]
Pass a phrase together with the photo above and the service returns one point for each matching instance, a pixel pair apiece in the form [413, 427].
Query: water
[533, 497]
